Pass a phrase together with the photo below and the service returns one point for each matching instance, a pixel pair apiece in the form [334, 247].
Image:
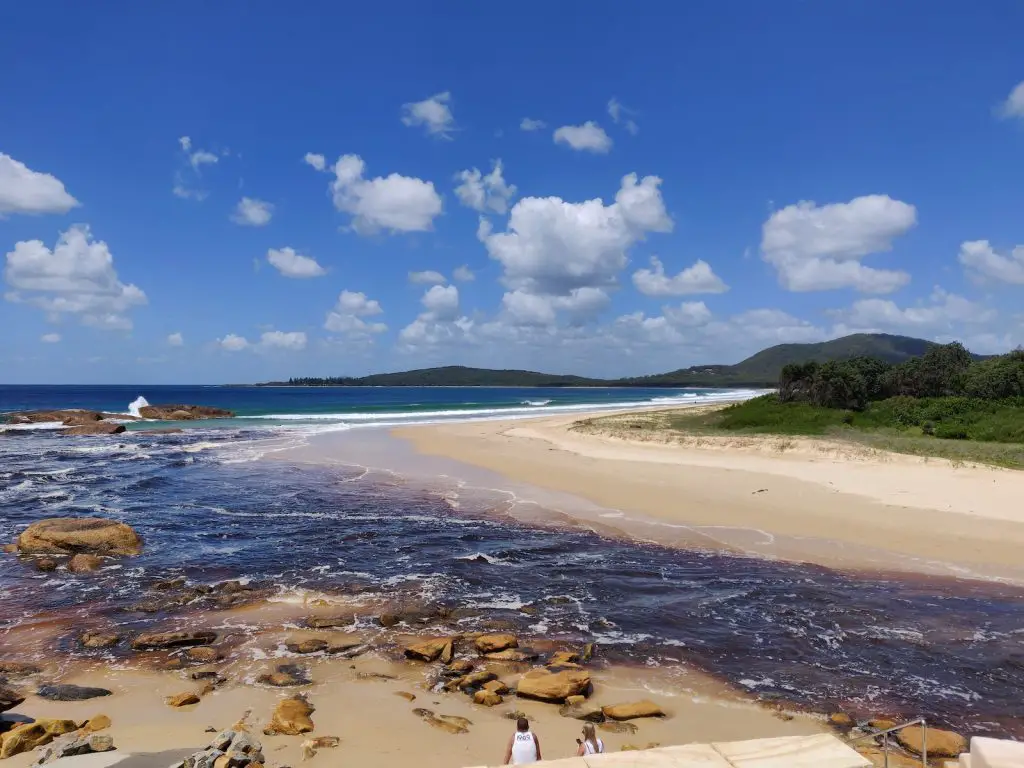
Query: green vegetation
[760, 370]
[945, 403]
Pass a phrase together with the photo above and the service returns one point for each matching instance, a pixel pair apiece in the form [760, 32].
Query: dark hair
[523, 724]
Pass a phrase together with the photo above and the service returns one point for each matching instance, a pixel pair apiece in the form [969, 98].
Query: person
[591, 745]
[524, 746]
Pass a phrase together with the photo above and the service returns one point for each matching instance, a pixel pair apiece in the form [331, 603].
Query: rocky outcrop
[83, 563]
[25, 738]
[69, 417]
[155, 641]
[513, 655]
[940, 743]
[329, 622]
[472, 681]
[495, 643]
[95, 428]
[66, 692]
[633, 710]
[9, 698]
[183, 412]
[431, 650]
[229, 749]
[291, 717]
[79, 535]
[544, 685]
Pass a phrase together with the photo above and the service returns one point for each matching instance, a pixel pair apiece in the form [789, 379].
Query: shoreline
[816, 502]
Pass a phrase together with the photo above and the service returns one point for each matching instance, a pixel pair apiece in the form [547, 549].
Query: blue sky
[234, 192]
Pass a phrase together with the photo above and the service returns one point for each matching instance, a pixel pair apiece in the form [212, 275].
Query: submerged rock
[155, 641]
[545, 685]
[100, 639]
[449, 723]
[614, 726]
[67, 692]
[83, 563]
[45, 564]
[183, 412]
[18, 668]
[286, 675]
[633, 710]
[291, 717]
[74, 535]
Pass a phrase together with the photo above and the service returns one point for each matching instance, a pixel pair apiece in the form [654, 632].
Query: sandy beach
[806, 500]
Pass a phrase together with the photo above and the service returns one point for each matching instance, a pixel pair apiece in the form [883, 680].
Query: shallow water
[950, 650]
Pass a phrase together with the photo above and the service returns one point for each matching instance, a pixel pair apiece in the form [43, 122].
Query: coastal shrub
[769, 414]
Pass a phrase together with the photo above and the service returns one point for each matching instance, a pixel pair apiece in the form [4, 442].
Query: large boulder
[65, 692]
[9, 698]
[74, 535]
[633, 710]
[940, 743]
[291, 717]
[156, 641]
[95, 428]
[431, 650]
[495, 643]
[183, 412]
[25, 738]
[69, 417]
[556, 687]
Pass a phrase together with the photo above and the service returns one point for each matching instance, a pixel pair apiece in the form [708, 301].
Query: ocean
[222, 501]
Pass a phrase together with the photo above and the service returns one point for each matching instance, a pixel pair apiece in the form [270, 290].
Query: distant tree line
[946, 370]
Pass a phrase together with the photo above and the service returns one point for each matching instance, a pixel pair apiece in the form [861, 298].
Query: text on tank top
[524, 748]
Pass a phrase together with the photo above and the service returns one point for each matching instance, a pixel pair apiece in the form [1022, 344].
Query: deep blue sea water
[210, 509]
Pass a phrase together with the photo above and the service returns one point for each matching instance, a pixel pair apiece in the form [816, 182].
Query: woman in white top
[524, 746]
[591, 745]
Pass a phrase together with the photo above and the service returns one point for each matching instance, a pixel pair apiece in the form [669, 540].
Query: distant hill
[759, 370]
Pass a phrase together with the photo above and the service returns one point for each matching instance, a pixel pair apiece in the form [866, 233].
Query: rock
[166, 585]
[100, 639]
[406, 695]
[95, 428]
[9, 549]
[203, 654]
[612, 726]
[68, 417]
[445, 723]
[555, 687]
[291, 717]
[204, 759]
[310, 746]
[155, 641]
[45, 564]
[9, 698]
[579, 710]
[472, 680]
[71, 746]
[495, 643]
[940, 743]
[310, 645]
[882, 724]
[894, 758]
[97, 723]
[841, 720]
[496, 686]
[563, 658]
[186, 699]
[346, 649]
[65, 692]
[516, 655]
[515, 714]
[286, 675]
[19, 668]
[374, 676]
[73, 535]
[431, 650]
[389, 620]
[85, 563]
[329, 622]
[487, 698]
[633, 710]
[206, 673]
[25, 738]
[458, 668]
[588, 652]
[183, 412]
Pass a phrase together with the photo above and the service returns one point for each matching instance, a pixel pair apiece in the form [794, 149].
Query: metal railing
[874, 733]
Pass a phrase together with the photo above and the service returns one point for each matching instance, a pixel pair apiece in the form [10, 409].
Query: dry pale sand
[379, 728]
[803, 500]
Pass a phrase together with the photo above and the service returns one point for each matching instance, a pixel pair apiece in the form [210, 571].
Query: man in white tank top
[524, 746]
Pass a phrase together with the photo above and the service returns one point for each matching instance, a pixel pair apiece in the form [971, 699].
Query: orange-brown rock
[632, 710]
[185, 699]
[406, 695]
[9, 698]
[154, 641]
[564, 658]
[183, 412]
[841, 720]
[306, 645]
[496, 686]
[97, 723]
[291, 717]
[940, 743]
[25, 738]
[83, 563]
[431, 650]
[516, 655]
[73, 535]
[495, 643]
[95, 428]
[545, 685]
[204, 654]
[472, 680]
[487, 698]
[99, 639]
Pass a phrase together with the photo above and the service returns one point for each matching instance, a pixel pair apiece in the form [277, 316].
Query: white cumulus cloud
[441, 302]
[251, 212]
[50, 338]
[589, 137]
[292, 264]
[176, 340]
[76, 278]
[317, 162]
[485, 193]
[393, 203]
[529, 124]
[698, 278]
[233, 343]
[427, 277]
[1014, 104]
[346, 318]
[817, 248]
[463, 274]
[293, 340]
[943, 311]
[433, 114]
[983, 262]
[23, 190]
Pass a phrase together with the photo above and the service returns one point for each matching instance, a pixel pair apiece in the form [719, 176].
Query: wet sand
[809, 501]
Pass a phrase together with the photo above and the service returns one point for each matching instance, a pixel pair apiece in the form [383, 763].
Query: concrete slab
[684, 756]
[995, 753]
[819, 751]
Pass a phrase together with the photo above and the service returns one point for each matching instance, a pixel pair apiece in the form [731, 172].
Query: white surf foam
[135, 405]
